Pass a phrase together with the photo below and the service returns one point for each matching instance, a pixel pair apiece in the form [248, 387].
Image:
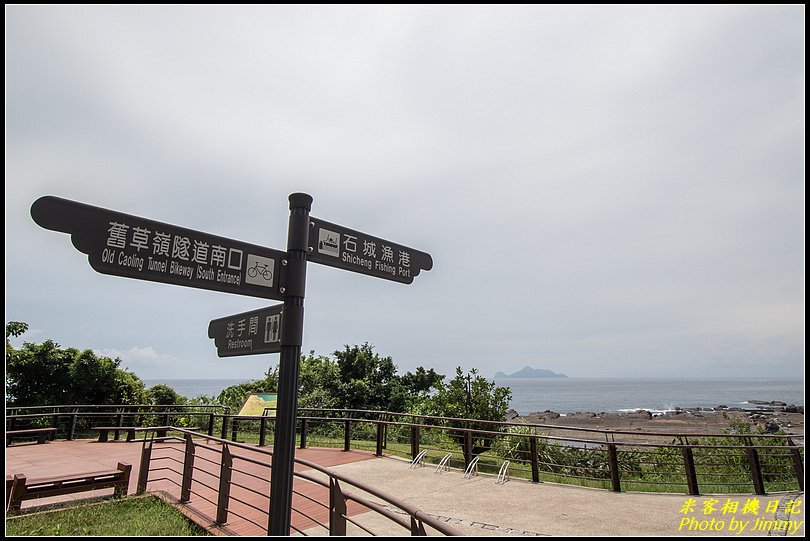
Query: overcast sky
[605, 191]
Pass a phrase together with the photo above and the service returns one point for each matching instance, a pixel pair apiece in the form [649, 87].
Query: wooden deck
[250, 482]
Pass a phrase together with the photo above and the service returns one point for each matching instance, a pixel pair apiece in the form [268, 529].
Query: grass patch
[127, 516]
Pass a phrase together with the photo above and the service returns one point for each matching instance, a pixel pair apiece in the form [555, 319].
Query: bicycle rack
[443, 464]
[419, 461]
[503, 474]
[472, 469]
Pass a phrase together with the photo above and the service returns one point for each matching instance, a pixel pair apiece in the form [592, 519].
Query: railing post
[119, 421]
[689, 470]
[72, 430]
[337, 509]
[165, 419]
[385, 432]
[55, 424]
[224, 432]
[613, 462]
[188, 470]
[467, 448]
[234, 428]
[380, 434]
[262, 431]
[414, 441]
[211, 421]
[122, 487]
[143, 471]
[17, 492]
[224, 485]
[798, 466]
[347, 435]
[533, 453]
[417, 527]
[304, 426]
[756, 470]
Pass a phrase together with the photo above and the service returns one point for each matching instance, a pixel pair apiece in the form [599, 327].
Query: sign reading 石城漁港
[344, 248]
[248, 333]
[134, 247]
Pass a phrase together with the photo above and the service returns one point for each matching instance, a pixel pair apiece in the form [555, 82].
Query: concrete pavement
[479, 506]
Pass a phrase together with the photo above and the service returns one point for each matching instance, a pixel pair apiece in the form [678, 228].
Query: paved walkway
[476, 506]
[479, 506]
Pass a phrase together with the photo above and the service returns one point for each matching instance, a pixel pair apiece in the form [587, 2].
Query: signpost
[248, 333]
[123, 245]
[292, 334]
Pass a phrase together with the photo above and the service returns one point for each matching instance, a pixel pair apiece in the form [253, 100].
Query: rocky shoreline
[768, 416]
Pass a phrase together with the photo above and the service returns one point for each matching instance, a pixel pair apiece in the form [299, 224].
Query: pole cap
[301, 200]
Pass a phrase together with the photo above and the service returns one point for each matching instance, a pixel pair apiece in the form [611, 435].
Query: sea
[193, 388]
[569, 395]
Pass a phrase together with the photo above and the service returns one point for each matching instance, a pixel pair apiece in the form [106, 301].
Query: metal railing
[75, 421]
[234, 479]
[613, 460]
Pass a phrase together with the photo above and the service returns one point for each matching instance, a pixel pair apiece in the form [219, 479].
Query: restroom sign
[248, 333]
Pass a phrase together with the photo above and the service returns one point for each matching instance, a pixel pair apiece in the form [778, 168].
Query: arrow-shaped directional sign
[344, 248]
[125, 245]
[248, 333]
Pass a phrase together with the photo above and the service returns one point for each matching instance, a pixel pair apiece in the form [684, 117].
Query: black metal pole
[292, 330]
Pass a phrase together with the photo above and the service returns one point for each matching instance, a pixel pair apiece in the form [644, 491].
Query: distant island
[529, 372]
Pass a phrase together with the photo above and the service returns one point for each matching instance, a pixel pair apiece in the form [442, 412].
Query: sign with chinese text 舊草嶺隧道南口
[248, 333]
[124, 245]
[338, 246]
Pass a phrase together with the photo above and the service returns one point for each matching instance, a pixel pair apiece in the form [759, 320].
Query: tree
[45, 374]
[38, 375]
[14, 329]
[365, 379]
[413, 388]
[98, 380]
[357, 378]
[470, 398]
[162, 394]
[234, 396]
[317, 383]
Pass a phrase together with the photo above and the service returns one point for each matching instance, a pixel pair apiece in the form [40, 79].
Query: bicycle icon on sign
[260, 270]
